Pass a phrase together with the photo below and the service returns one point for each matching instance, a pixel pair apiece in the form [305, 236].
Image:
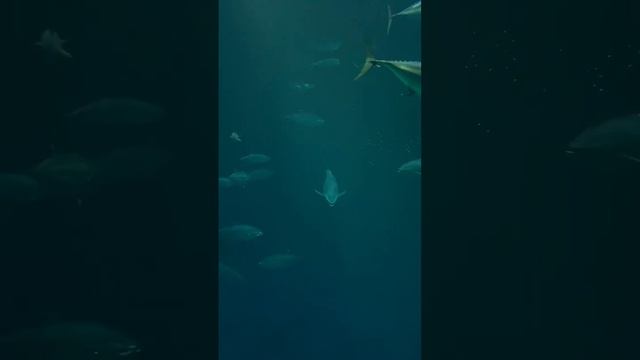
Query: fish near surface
[71, 341]
[330, 190]
[414, 9]
[618, 136]
[413, 166]
[408, 72]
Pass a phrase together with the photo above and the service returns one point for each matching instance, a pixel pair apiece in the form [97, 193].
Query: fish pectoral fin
[341, 194]
[319, 193]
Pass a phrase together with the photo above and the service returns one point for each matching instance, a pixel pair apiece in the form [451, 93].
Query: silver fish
[77, 340]
[330, 190]
[408, 72]
[255, 159]
[305, 119]
[619, 136]
[326, 63]
[413, 166]
[415, 9]
[241, 232]
[278, 261]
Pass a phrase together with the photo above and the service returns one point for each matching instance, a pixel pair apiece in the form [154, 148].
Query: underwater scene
[319, 180]
[107, 181]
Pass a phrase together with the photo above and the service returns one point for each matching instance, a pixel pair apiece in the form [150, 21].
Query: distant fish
[71, 341]
[260, 174]
[235, 137]
[253, 159]
[415, 9]
[51, 42]
[279, 261]
[224, 183]
[330, 190]
[240, 232]
[305, 119]
[239, 178]
[229, 274]
[68, 170]
[18, 188]
[326, 63]
[408, 72]
[133, 164]
[618, 136]
[326, 45]
[301, 87]
[117, 111]
[413, 166]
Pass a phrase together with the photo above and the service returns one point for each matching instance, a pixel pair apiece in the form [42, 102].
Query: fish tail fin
[389, 18]
[368, 63]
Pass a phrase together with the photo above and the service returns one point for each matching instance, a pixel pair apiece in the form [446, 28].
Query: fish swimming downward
[415, 9]
[408, 72]
[330, 190]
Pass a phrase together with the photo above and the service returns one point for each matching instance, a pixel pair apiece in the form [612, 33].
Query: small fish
[117, 111]
[326, 63]
[260, 174]
[408, 72]
[413, 166]
[18, 188]
[241, 232]
[305, 119]
[239, 177]
[66, 169]
[73, 340]
[253, 159]
[279, 261]
[326, 45]
[330, 189]
[301, 87]
[235, 137]
[415, 9]
[229, 274]
[224, 183]
[51, 42]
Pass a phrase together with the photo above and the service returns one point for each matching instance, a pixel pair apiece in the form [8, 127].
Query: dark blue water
[356, 292]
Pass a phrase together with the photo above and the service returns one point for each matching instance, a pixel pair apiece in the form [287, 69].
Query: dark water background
[141, 256]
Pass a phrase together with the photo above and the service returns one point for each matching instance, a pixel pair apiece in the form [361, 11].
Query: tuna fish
[415, 9]
[330, 189]
[408, 72]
